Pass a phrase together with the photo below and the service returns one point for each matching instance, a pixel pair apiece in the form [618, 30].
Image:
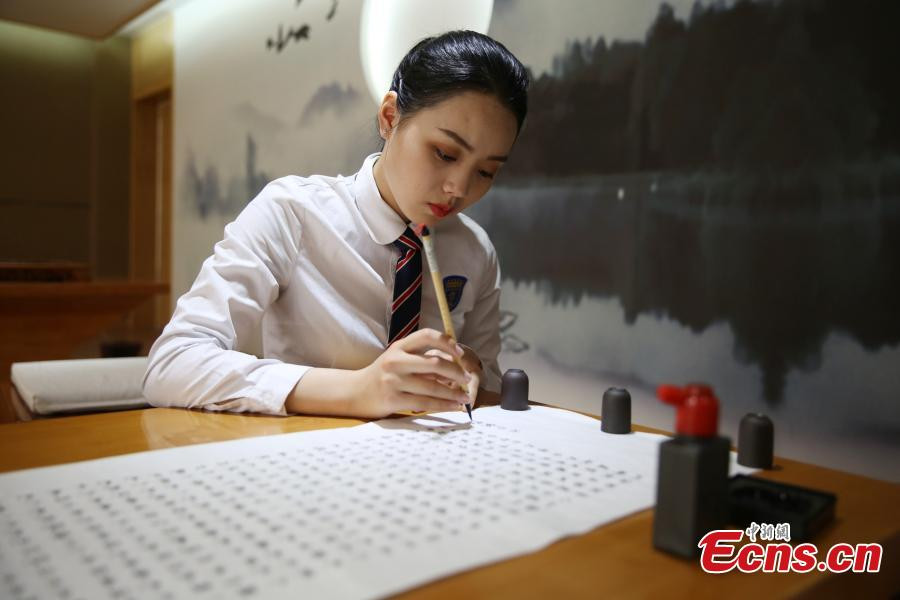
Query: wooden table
[612, 561]
[47, 321]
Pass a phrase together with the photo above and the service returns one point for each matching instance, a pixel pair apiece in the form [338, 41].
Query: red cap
[697, 410]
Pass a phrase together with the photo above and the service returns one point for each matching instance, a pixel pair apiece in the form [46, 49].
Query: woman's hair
[459, 61]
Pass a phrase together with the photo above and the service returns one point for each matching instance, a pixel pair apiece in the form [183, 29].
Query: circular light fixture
[389, 28]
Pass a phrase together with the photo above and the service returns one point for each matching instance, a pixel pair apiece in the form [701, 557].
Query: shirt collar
[384, 225]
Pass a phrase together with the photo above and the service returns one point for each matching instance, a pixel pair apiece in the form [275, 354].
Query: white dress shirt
[311, 261]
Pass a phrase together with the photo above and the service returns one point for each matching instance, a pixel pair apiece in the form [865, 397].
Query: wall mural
[703, 191]
[295, 33]
[251, 106]
[715, 199]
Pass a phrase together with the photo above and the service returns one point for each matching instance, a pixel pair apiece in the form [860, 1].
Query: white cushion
[56, 386]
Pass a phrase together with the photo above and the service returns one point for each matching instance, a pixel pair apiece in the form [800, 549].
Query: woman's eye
[444, 157]
[486, 174]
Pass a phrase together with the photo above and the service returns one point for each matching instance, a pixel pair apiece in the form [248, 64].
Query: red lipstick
[440, 211]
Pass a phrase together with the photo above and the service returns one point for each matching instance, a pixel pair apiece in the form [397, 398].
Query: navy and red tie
[407, 302]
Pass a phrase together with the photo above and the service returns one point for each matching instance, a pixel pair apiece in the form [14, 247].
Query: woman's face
[442, 159]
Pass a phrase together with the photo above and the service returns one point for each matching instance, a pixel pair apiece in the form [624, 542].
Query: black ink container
[514, 390]
[692, 483]
[756, 441]
[615, 414]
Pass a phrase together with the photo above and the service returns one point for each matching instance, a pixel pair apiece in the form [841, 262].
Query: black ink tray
[751, 499]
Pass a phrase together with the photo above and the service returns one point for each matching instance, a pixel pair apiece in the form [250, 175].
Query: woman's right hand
[403, 378]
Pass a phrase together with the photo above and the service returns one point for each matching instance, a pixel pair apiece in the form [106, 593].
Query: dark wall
[64, 156]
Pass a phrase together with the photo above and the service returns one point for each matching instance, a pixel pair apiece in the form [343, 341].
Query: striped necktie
[407, 287]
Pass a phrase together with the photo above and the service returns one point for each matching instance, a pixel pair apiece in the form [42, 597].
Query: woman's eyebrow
[459, 140]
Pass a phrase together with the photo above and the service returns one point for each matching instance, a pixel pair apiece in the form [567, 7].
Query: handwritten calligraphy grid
[240, 526]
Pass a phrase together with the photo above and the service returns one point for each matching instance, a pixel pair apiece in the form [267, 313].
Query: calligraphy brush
[428, 244]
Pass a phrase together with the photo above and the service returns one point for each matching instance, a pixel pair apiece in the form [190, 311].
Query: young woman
[331, 269]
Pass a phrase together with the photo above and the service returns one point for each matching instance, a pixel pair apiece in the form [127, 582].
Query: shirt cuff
[276, 383]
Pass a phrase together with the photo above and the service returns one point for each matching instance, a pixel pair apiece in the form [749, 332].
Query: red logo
[720, 554]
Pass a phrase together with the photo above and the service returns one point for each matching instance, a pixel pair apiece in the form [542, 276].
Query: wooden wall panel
[152, 59]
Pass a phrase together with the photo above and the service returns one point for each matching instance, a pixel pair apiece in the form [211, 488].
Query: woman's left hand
[471, 364]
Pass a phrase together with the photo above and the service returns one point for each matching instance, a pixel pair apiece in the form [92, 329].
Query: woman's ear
[388, 115]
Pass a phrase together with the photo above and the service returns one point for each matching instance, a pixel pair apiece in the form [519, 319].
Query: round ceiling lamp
[389, 28]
